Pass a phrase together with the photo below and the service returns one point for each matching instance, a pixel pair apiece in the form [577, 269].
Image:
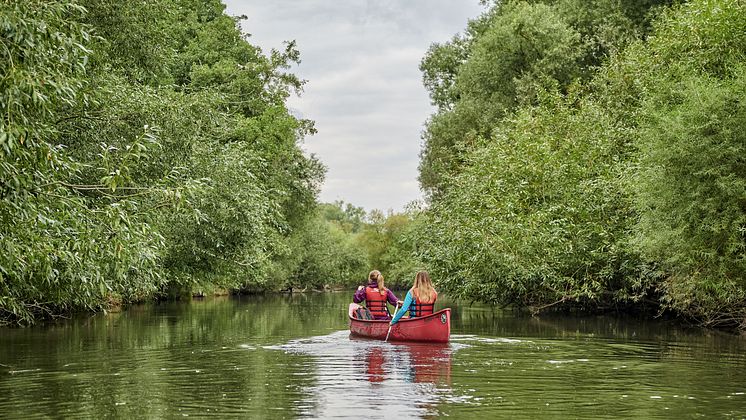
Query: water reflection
[417, 362]
[428, 362]
[289, 356]
[358, 377]
[374, 361]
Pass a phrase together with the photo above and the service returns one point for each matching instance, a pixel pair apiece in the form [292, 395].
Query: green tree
[146, 147]
[324, 254]
[622, 187]
[507, 57]
[690, 178]
[538, 215]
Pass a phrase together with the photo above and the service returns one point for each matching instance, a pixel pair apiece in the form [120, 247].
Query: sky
[364, 88]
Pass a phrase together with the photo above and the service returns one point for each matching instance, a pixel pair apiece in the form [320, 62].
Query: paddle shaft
[395, 311]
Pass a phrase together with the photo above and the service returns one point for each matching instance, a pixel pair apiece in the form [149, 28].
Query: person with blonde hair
[375, 295]
[420, 299]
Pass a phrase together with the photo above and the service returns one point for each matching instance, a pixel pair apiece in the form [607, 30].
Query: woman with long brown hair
[375, 295]
[420, 298]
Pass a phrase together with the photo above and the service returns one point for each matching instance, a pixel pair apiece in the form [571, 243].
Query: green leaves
[535, 213]
[583, 185]
[117, 184]
[509, 58]
[689, 191]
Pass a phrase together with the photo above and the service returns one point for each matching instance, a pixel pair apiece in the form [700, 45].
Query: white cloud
[364, 88]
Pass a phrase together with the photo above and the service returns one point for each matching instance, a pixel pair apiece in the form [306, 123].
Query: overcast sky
[364, 89]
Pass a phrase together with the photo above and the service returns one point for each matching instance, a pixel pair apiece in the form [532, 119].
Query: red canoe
[435, 328]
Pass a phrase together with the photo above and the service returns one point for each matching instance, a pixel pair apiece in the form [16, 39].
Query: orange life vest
[419, 308]
[376, 302]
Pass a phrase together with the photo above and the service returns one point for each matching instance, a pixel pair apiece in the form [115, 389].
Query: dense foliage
[591, 153]
[325, 252]
[582, 154]
[146, 150]
[505, 59]
[689, 178]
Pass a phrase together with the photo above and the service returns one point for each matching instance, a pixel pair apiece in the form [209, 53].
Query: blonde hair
[376, 276]
[423, 288]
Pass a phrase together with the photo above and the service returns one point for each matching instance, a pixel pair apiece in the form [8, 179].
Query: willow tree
[624, 187]
[146, 147]
[690, 180]
[505, 58]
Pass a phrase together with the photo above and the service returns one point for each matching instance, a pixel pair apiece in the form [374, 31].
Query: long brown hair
[377, 277]
[423, 288]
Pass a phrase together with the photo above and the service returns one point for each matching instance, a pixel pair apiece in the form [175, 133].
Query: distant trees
[344, 242]
[324, 251]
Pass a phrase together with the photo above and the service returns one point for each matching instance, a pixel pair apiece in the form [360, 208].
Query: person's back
[420, 299]
[376, 296]
[423, 306]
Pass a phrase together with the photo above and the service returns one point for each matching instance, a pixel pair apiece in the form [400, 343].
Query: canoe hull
[435, 328]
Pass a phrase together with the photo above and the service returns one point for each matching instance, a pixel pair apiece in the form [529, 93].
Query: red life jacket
[376, 302]
[420, 308]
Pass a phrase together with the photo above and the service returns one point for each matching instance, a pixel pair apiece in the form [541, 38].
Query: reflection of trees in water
[156, 359]
[483, 319]
[224, 354]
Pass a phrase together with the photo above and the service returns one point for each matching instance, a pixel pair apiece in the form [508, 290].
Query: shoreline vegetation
[590, 154]
[583, 156]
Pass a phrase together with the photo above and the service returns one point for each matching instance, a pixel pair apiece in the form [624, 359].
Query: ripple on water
[231, 363]
[353, 376]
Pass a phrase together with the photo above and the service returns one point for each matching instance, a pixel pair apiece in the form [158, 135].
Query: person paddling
[375, 295]
[420, 298]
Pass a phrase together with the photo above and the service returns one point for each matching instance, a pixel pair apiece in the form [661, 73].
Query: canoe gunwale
[405, 320]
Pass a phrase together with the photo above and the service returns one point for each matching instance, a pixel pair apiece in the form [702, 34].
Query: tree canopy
[582, 154]
[589, 154]
[146, 150]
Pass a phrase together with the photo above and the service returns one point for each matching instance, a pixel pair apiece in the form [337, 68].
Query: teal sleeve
[404, 308]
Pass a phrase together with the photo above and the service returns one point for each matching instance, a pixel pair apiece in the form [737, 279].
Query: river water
[287, 356]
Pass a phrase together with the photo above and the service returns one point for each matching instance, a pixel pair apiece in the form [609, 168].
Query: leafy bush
[690, 177]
